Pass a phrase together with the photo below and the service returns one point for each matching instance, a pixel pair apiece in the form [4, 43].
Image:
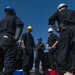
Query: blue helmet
[9, 8]
[40, 39]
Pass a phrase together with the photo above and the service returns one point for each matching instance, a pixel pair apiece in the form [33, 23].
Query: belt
[66, 25]
[5, 32]
[29, 46]
[69, 24]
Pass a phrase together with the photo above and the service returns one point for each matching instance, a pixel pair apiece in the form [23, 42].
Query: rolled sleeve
[18, 22]
[53, 18]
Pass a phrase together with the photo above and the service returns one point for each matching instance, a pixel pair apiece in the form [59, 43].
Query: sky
[35, 13]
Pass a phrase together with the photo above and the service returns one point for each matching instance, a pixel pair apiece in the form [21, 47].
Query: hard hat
[19, 40]
[40, 39]
[29, 28]
[61, 5]
[9, 8]
[50, 30]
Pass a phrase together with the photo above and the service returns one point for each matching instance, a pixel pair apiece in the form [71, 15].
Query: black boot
[36, 71]
[43, 73]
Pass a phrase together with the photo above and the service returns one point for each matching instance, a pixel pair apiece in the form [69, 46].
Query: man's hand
[58, 30]
[49, 48]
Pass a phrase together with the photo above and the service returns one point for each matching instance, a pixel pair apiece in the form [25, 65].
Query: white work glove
[48, 48]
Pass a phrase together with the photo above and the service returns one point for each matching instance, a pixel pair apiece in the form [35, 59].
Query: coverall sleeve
[48, 40]
[23, 37]
[18, 22]
[53, 18]
[33, 43]
[56, 37]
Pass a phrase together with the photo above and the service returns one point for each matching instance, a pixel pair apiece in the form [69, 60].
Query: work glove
[58, 30]
[49, 48]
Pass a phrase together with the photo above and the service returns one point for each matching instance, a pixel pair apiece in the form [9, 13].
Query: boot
[36, 71]
[43, 73]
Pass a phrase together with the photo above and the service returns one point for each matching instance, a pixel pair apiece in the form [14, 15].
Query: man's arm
[55, 44]
[56, 29]
[36, 49]
[52, 20]
[18, 34]
[23, 44]
[20, 25]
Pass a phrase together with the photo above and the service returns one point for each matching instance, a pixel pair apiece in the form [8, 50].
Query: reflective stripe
[5, 36]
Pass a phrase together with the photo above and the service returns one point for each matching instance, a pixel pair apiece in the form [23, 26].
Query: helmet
[61, 5]
[9, 8]
[40, 39]
[19, 41]
[29, 28]
[50, 30]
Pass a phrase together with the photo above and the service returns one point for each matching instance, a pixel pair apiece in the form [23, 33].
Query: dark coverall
[28, 57]
[40, 57]
[8, 45]
[66, 45]
[52, 53]
[18, 63]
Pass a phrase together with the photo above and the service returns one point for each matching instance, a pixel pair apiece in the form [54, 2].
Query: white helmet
[50, 30]
[61, 5]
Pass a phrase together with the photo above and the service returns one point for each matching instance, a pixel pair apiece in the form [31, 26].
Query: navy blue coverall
[28, 52]
[8, 47]
[52, 52]
[18, 63]
[40, 56]
[66, 45]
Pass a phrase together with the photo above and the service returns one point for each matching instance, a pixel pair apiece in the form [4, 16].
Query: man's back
[67, 16]
[64, 16]
[7, 24]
